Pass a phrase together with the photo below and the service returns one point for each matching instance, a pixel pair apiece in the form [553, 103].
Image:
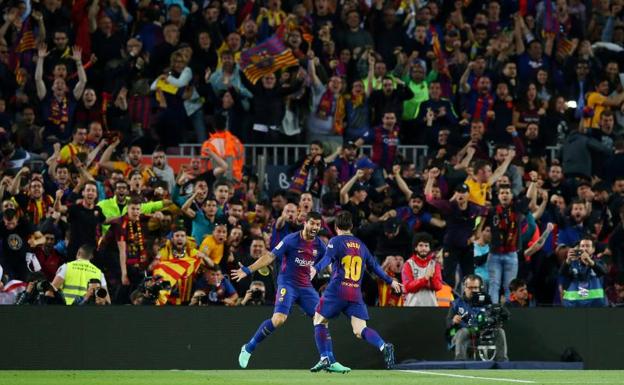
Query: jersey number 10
[352, 265]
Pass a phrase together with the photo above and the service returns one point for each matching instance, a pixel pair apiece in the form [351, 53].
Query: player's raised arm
[322, 263]
[244, 271]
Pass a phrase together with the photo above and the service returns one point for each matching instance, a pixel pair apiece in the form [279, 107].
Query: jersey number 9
[352, 265]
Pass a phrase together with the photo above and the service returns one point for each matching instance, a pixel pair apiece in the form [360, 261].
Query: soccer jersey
[348, 257]
[413, 221]
[295, 256]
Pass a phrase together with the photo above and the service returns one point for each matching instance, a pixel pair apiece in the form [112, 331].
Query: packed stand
[490, 88]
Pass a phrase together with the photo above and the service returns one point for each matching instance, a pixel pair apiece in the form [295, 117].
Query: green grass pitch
[301, 377]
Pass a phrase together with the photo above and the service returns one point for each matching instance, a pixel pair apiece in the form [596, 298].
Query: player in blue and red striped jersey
[296, 254]
[348, 257]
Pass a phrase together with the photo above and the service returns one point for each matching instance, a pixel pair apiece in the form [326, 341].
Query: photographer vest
[424, 297]
[77, 277]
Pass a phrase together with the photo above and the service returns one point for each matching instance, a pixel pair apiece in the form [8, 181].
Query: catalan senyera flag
[26, 42]
[437, 51]
[565, 47]
[266, 58]
[179, 273]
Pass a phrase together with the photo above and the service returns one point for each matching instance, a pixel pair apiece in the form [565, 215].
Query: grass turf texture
[301, 377]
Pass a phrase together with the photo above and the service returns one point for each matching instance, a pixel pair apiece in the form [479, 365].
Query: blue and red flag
[268, 57]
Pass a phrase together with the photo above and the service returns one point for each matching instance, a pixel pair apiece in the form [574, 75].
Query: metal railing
[288, 154]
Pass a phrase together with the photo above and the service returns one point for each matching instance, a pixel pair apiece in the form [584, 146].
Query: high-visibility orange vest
[445, 296]
[226, 145]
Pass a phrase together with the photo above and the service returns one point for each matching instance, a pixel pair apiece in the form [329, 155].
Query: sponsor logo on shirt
[303, 262]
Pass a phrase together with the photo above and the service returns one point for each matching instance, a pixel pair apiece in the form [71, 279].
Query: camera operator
[256, 295]
[95, 295]
[581, 275]
[149, 291]
[74, 277]
[462, 321]
[39, 292]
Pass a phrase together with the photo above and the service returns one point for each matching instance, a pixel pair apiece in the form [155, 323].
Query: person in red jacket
[421, 275]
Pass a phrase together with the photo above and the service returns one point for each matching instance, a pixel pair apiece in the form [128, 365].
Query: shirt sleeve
[321, 250]
[425, 217]
[329, 255]
[371, 263]
[280, 249]
[62, 271]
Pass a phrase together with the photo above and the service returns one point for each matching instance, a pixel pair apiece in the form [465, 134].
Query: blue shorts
[331, 307]
[287, 295]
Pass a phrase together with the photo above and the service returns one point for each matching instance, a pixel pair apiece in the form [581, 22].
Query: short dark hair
[422, 237]
[135, 200]
[87, 251]
[472, 277]
[344, 220]
[516, 284]
[314, 215]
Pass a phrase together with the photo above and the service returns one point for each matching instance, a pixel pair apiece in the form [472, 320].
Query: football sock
[372, 337]
[324, 342]
[265, 330]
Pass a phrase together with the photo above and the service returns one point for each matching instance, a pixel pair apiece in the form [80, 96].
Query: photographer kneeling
[39, 292]
[95, 295]
[473, 321]
[256, 295]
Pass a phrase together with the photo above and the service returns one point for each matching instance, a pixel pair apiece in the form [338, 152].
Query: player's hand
[124, 280]
[457, 319]
[238, 274]
[396, 286]
[312, 272]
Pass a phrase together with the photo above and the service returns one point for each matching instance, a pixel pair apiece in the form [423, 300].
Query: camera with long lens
[151, 287]
[485, 324]
[101, 293]
[37, 295]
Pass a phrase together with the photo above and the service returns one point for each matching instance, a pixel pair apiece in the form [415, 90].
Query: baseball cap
[462, 188]
[364, 163]
[349, 144]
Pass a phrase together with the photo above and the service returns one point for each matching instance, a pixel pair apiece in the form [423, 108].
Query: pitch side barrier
[127, 337]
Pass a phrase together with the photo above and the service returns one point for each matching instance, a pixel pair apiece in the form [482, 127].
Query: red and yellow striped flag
[437, 50]
[27, 42]
[179, 273]
[266, 58]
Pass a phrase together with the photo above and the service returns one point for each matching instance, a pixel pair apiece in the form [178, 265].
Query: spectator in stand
[505, 220]
[581, 277]
[421, 274]
[519, 296]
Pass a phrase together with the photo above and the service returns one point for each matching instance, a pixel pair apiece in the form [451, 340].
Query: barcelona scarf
[266, 58]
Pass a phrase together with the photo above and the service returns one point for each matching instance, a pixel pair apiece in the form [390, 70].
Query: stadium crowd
[88, 87]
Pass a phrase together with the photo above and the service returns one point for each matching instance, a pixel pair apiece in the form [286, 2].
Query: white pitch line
[469, 377]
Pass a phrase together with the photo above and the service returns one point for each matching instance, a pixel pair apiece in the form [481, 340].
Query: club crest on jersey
[314, 252]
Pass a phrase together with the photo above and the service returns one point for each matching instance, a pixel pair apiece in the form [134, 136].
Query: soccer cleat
[243, 357]
[337, 367]
[388, 351]
[322, 364]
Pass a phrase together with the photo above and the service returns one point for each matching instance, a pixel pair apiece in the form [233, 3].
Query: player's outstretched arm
[244, 271]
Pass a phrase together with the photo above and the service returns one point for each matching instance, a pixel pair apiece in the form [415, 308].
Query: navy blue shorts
[306, 297]
[331, 307]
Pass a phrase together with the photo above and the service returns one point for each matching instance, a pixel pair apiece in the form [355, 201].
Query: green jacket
[110, 209]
